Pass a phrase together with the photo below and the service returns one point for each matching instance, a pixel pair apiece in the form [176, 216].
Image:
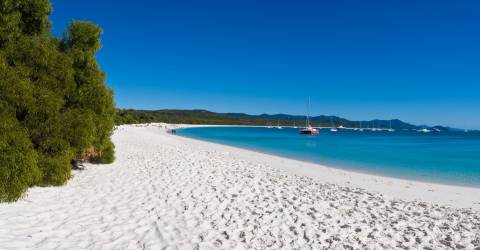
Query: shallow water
[446, 157]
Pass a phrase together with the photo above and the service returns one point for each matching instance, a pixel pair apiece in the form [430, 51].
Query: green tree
[81, 42]
[18, 159]
[55, 106]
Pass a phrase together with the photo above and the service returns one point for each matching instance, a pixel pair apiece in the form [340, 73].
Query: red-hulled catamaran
[308, 130]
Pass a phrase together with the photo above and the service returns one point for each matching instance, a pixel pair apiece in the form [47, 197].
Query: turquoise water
[447, 157]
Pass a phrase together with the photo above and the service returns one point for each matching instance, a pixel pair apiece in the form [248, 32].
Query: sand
[169, 192]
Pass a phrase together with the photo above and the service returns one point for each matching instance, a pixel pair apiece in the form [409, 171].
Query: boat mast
[308, 113]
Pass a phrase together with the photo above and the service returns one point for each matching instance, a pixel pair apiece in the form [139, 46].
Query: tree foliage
[19, 168]
[55, 106]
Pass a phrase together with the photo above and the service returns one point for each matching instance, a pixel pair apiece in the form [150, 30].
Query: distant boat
[278, 125]
[308, 130]
[373, 126]
[424, 130]
[333, 129]
[391, 129]
[360, 129]
[294, 126]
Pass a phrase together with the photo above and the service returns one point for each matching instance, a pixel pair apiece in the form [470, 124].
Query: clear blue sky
[414, 60]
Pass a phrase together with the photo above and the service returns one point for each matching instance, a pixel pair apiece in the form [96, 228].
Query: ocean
[439, 157]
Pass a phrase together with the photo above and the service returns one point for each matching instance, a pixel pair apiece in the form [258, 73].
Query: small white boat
[391, 129]
[333, 129]
[373, 126]
[278, 125]
[424, 130]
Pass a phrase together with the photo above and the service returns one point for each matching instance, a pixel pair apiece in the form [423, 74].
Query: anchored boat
[333, 129]
[308, 130]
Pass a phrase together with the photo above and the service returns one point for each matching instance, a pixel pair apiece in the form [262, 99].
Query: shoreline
[443, 194]
[330, 166]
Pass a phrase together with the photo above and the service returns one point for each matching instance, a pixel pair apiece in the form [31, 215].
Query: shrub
[55, 155]
[56, 170]
[78, 128]
[106, 153]
[18, 160]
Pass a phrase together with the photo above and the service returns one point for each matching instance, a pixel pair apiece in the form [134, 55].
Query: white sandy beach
[169, 192]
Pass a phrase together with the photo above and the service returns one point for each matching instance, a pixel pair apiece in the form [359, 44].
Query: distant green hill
[198, 116]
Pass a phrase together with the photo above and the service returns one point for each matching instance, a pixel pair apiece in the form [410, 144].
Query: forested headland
[198, 116]
[54, 105]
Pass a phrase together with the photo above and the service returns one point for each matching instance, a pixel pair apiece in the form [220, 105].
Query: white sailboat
[333, 129]
[268, 125]
[391, 129]
[278, 125]
[373, 126]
